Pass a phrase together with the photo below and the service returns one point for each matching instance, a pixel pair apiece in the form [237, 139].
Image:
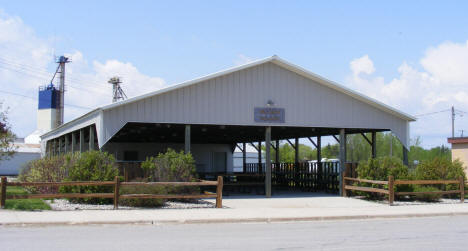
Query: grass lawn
[24, 204]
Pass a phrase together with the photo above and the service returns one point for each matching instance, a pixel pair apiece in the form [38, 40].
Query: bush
[380, 169]
[142, 190]
[427, 197]
[441, 169]
[49, 169]
[172, 166]
[87, 166]
[90, 166]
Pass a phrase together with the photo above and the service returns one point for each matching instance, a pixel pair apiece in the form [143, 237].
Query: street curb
[226, 221]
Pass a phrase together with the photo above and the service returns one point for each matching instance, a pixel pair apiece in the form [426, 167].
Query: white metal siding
[231, 98]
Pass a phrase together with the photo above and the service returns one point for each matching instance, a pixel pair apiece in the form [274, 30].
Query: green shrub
[441, 169]
[172, 166]
[380, 169]
[142, 190]
[49, 169]
[427, 197]
[90, 166]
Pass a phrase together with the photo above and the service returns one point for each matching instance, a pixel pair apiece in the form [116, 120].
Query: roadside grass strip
[24, 204]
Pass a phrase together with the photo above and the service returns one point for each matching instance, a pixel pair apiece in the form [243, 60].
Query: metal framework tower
[59, 112]
[117, 92]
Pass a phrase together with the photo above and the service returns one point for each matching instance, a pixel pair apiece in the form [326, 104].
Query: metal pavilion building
[264, 101]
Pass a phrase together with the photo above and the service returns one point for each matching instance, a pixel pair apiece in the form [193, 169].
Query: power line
[42, 71]
[431, 113]
[46, 78]
[25, 96]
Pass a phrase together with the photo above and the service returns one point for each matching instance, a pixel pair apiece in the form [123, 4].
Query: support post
[391, 191]
[319, 163]
[3, 190]
[343, 184]
[277, 152]
[73, 142]
[296, 151]
[374, 145]
[244, 157]
[54, 147]
[462, 190]
[116, 192]
[405, 156]
[91, 138]
[81, 140]
[219, 193]
[268, 162]
[187, 139]
[59, 145]
[296, 162]
[259, 157]
[319, 149]
[67, 148]
[342, 157]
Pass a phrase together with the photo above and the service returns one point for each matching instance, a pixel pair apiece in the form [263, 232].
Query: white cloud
[441, 83]
[362, 65]
[26, 62]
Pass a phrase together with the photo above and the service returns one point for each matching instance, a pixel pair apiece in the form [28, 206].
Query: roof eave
[70, 122]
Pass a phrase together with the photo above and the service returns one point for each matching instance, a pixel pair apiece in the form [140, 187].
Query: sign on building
[269, 115]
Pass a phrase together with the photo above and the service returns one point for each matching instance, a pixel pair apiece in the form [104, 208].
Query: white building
[269, 99]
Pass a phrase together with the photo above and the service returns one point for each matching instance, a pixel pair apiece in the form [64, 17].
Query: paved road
[440, 233]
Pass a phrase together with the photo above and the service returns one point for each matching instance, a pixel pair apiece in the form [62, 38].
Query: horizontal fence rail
[116, 194]
[391, 183]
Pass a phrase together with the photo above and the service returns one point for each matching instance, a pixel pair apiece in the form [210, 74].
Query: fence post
[462, 190]
[219, 192]
[116, 192]
[343, 183]
[3, 188]
[391, 191]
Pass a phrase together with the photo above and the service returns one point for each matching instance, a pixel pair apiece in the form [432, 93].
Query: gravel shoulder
[65, 205]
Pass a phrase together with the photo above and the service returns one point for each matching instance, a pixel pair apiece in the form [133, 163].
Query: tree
[287, 153]
[7, 149]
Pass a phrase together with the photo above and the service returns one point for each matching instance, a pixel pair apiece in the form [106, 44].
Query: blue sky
[186, 39]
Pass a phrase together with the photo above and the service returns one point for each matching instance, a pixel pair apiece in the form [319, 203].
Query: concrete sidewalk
[241, 209]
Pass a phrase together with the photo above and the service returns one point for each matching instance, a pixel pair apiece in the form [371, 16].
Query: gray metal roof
[229, 97]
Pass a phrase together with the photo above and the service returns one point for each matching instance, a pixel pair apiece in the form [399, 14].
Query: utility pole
[453, 121]
[62, 60]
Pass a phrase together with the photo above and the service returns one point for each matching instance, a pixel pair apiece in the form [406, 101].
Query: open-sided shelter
[263, 101]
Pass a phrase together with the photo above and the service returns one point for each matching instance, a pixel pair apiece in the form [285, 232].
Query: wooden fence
[116, 194]
[391, 183]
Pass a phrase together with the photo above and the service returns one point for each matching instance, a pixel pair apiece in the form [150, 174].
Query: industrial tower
[62, 60]
[117, 92]
[52, 100]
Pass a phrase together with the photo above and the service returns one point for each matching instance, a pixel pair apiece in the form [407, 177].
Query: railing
[116, 194]
[391, 184]
[304, 176]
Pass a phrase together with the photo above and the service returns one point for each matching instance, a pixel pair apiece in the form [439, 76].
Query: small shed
[460, 150]
[263, 101]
